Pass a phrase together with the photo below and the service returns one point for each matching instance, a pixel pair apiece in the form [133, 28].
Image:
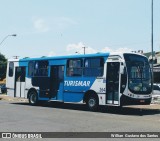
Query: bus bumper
[131, 101]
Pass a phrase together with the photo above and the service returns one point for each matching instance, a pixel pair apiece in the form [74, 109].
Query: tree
[3, 66]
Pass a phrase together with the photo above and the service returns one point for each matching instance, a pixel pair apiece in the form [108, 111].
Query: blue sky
[61, 27]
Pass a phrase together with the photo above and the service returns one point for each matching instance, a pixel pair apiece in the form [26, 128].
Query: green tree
[3, 66]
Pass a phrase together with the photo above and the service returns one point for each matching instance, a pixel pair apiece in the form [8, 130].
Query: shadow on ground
[102, 109]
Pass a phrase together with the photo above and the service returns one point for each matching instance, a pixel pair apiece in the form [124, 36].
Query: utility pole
[152, 41]
[84, 49]
[15, 57]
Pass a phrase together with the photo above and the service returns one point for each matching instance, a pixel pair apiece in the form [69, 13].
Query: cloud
[54, 23]
[121, 49]
[51, 53]
[75, 47]
[40, 25]
[61, 23]
[79, 48]
[66, 20]
[106, 49]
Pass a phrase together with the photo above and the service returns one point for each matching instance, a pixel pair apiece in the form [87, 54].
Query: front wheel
[33, 98]
[92, 103]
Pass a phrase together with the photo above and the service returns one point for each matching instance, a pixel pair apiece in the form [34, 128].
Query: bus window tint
[38, 68]
[41, 68]
[11, 69]
[74, 67]
[93, 67]
[31, 68]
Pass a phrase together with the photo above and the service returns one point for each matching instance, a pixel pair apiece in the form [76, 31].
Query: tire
[92, 103]
[33, 98]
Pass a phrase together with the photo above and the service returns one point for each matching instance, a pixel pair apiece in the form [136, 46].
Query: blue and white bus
[114, 79]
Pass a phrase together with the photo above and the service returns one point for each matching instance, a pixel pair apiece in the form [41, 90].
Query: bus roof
[63, 57]
[73, 56]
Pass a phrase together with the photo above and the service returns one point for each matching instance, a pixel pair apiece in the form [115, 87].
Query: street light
[14, 35]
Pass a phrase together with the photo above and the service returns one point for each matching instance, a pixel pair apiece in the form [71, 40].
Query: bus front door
[20, 74]
[112, 84]
[56, 82]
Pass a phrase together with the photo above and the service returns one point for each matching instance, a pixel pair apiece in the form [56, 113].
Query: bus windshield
[139, 74]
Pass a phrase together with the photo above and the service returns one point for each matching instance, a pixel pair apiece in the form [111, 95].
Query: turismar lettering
[77, 83]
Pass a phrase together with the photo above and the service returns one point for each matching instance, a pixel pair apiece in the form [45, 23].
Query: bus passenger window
[93, 67]
[74, 67]
[31, 69]
[11, 69]
[38, 68]
[41, 68]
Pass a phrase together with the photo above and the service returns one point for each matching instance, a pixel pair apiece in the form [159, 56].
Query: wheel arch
[31, 89]
[88, 94]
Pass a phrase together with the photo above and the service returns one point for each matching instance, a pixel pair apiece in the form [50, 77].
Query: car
[156, 89]
[3, 88]
[156, 94]
[1, 84]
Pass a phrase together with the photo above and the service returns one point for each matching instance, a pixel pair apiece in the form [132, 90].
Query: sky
[64, 27]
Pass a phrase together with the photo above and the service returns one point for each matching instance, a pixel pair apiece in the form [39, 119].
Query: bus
[113, 79]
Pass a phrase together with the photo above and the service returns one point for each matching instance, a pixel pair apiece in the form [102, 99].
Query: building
[156, 65]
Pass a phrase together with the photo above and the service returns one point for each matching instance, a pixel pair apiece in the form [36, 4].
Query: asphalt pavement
[16, 115]
[154, 105]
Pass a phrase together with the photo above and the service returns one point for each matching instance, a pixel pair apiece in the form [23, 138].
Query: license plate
[142, 101]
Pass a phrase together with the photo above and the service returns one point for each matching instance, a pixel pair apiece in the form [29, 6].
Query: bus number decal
[102, 90]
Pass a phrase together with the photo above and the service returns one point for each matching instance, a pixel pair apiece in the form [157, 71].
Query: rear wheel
[33, 98]
[92, 103]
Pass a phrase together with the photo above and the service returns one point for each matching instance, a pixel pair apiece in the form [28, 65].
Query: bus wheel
[92, 103]
[33, 98]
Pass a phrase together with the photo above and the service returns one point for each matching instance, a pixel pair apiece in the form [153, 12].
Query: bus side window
[38, 68]
[31, 69]
[41, 68]
[93, 67]
[74, 67]
[11, 69]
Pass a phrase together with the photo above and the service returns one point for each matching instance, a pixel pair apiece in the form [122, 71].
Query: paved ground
[155, 105]
[17, 116]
